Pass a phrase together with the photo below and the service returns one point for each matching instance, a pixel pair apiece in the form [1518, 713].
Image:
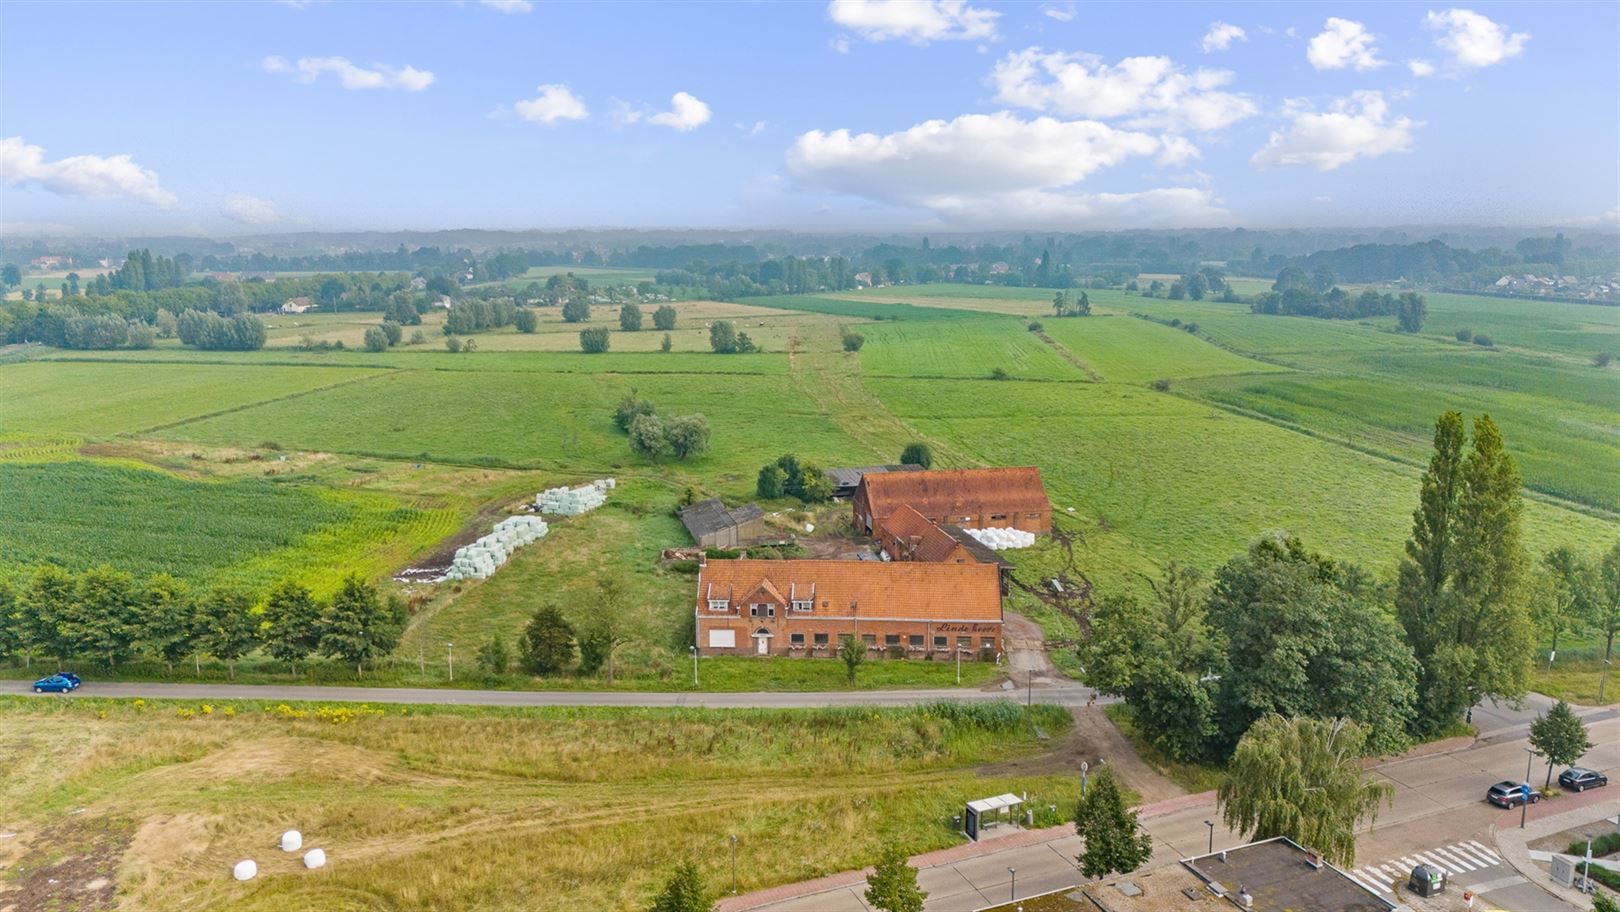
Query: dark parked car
[1579, 779]
[56, 683]
[1509, 794]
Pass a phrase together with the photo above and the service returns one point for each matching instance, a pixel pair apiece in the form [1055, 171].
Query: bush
[1465, 335]
[769, 486]
[1000, 373]
[722, 553]
[577, 310]
[667, 344]
[1192, 328]
[1162, 386]
[629, 409]
[418, 337]
[453, 344]
[376, 339]
[1035, 326]
[1601, 846]
[527, 321]
[917, 454]
[1483, 340]
[593, 341]
[392, 331]
[1601, 359]
[853, 341]
[687, 567]
[664, 318]
[723, 337]
[630, 318]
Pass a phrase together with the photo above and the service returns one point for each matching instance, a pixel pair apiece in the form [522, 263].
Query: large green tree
[292, 623]
[1114, 840]
[169, 627]
[548, 642]
[1305, 639]
[1565, 596]
[1560, 736]
[228, 627]
[358, 626]
[1606, 615]
[1460, 593]
[892, 885]
[103, 617]
[917, 454]
[1302, 778]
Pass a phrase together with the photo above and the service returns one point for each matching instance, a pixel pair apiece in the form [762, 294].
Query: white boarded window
[722, 639]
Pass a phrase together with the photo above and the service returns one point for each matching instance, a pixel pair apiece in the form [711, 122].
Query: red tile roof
[903, 589]
[958, 491]
[926, 541]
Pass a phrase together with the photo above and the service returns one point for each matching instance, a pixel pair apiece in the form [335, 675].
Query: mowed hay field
[483, 809]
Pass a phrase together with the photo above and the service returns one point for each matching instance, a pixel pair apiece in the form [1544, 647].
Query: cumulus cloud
[555, 102]
[1152, 91]
[998, 169]
[1472, 40]
[1359, 126]
[916, 21]
[1420, 67]
[686, 113]
[509, 6]
[378, 76]
[249, 210]
[1343, 43]
[87, 176]
[1221, 35]
[1063, 13]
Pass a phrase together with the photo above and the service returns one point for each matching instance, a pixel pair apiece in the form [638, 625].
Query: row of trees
[1296, 294]
[553, 646]
[210, 331]
[476, 315]
[788, 477]
[654, 437]
[109, 617]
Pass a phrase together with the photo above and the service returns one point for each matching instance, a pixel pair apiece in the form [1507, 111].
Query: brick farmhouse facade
[806, 607]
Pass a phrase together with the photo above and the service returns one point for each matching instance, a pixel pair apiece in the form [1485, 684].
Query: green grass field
[439, 807]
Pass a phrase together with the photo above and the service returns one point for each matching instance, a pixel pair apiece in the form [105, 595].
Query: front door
[764, 644]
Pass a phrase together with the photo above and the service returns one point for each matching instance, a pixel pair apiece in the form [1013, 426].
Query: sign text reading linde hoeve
[965, 628]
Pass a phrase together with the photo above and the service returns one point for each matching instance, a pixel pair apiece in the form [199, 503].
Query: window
[718, 604]
[891, 639]
[803, 604]
[996, 516]
[869, 639]
[722, 639]
[964, 642]
[821, 639]
[762, 610]
[796, 639]
[753, 611]
[1033, 515]
[987, 642]
[916, 640]
[942, 642]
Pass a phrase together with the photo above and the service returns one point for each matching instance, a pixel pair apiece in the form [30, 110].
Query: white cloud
[1177, 150]
[1420, 67]
[250, 210]
[686, 113]
[916, 21]
[555, 102]
[509, 6]
[1153, 91]
[752, 130]
[88, 176]
[1473, 40]
[379, 76]
[1221, 35]
[1063, 13]
[1359, 126]
[1343, 43]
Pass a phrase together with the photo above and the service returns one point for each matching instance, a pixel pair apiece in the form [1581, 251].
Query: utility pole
[1084, 768]
[1211, 825]
[1013, 892]
[734, 864]
[1524, 808]
[694, 668]
[450, 650]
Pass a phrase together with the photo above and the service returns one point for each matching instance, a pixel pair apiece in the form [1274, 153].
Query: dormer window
[719, 605]
[803, 604]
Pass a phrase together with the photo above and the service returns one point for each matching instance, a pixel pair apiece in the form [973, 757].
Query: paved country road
[1067, 694]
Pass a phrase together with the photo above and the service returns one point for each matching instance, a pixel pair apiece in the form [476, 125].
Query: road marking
[1472, 855]
[1487, 852]
[1373, 875]
[1497, 884]
[1370, 885]
[1462, 865]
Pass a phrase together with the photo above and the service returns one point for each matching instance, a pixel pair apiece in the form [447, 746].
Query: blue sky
[250, 117]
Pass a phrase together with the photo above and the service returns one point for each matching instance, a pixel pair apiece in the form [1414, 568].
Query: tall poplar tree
[1461, 593]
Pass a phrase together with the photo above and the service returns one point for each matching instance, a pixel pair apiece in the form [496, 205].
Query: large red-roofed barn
[1009, 498]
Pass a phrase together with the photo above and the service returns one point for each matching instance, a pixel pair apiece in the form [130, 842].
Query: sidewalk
[1513, 842]
[958, 879]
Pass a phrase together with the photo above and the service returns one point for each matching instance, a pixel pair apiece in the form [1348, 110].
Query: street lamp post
[1084, 768]
[450, 649]
[1014, 893]
[1524, 805]
[1211, 825]
[958, 668]
[694, 668]
[734, 864]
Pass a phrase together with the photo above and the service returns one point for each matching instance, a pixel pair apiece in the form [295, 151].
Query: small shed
[988, 811]
[846, 480]
[712, 525]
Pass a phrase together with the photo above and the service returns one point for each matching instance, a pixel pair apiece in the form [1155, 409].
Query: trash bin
[1427, 880]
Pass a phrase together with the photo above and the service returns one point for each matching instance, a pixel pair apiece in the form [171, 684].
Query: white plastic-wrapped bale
[291, 841]
[246, 869]
[315, 858]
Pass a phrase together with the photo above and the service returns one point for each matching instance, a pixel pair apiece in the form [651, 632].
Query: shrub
[723, 337]
[853, 341]
[1483, 340]
[664, 318]
[687, 567]
[1601, 359]
[1191, 327]
[418, 337]
[721, 553]
[527, 321]
[630, 318]
[769, 486]
[667, 344]
[376, 339]
[392, 331]
[593, 341]
[1162, 386]
[453, 344]
[577, 310]
[1035, 326]
[917, 454]
[1000, 373]
[1601, 846]
[1465, 335]
[629, 409]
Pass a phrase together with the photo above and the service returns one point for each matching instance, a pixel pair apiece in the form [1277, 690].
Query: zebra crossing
[1457, 860]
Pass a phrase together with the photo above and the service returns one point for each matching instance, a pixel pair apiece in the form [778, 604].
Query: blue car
[56, 683]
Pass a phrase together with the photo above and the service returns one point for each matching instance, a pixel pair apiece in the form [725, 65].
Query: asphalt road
[1067, 694]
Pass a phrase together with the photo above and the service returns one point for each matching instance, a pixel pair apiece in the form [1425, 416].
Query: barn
[806, 607]
[712, 525]
[1009, 497]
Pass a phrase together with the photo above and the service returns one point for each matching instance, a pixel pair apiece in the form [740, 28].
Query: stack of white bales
[481, 558]
[574, 501]
[997, 539]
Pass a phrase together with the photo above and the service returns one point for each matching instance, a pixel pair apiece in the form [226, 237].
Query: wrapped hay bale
[246, 869]
[291, 841]
[315, 858]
